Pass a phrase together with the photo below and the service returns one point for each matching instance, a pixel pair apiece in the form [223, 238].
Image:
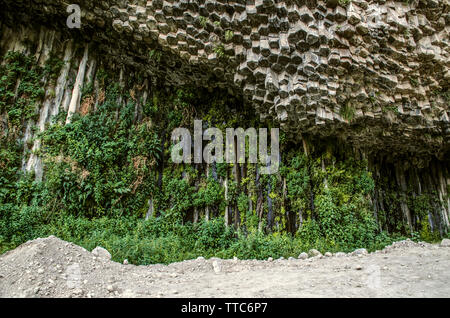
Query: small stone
[313, 253]
[291, 258]
[358, 267]
[445, 243]
[303, 256]
[125, 262]
[200, 258]
[77, 291]
[110, 288]
[328, 254]
[360, 251]
[40, 271]
[270, 259]
[101, 252]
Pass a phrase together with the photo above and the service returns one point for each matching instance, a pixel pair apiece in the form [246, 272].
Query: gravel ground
[50, 267]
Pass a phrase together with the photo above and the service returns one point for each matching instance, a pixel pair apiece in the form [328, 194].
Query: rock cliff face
[373, 73]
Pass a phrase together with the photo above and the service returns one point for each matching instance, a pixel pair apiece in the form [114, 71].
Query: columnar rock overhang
[373, 73]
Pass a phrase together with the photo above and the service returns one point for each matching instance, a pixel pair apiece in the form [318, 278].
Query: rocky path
[50, 267]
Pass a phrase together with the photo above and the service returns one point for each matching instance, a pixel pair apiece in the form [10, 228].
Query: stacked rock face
[373, 73]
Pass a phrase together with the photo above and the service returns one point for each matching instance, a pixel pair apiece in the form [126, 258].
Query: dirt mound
[50, 267]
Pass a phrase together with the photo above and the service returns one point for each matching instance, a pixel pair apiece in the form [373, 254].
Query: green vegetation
[392, 108]
[228, 35]
[155, 55]
[444, 93]
[20, 104]
[423, 205]
[414, 82]
[109, 169]
[157, 241]
[344, 3]
[347, 112]
[220, 51]
[203, 21]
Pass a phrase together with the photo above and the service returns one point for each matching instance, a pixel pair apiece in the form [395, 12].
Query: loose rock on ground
[50, 267]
